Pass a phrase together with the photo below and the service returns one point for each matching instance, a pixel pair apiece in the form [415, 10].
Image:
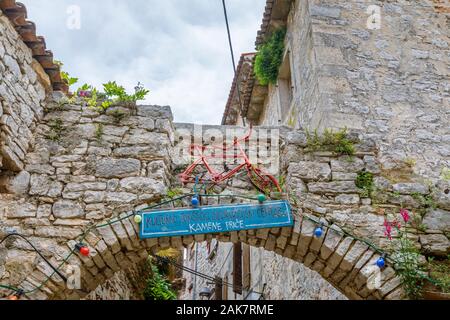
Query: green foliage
[445, 174]
[70, 80]
[118, 93]
[337, 142]
[113, 94]
[158, 288]
[440, 272]
[269, 58]
[364, 181]
[416, 222]
[56, 129]
[173, 193]
[408, 266]
[118, 115]
[425, 201]
[65, 75]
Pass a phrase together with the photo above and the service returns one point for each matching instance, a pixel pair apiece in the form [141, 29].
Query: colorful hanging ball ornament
[318, 232]
[381, 262]
[138, 218]
[16, 296]
[83, 249]
[195, 202]
[262, 198]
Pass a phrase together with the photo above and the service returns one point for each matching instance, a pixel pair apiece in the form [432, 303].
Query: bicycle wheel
[264, 182]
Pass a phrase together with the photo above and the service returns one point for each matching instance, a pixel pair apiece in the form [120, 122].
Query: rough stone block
[337, 256]
[332, 240]
[122, 235]
[437, 220]
[353, 255]
[311, 171]
[347, 164]
[436, 244]
[306, 235]
[270, 243]
[333, 187]
[117, 168]
[110, 238]
[411, 188]
[66, 209]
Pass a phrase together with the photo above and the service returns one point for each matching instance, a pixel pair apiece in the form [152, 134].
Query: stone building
[390, 81]
[379, 67]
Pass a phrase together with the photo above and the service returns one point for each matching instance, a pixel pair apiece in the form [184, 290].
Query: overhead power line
[230, 42]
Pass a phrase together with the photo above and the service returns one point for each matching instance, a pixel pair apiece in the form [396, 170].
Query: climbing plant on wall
[269, 57]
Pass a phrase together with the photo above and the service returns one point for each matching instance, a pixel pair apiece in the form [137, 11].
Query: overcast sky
[177, 48]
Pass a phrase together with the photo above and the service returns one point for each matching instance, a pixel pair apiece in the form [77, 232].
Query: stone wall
[391, 83]
[305, 108]
[83, 168]
[124, 285]
[277, 277]
[23, 86]
[325, 187]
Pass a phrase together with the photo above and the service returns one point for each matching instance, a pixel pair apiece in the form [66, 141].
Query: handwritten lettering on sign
[215, 219]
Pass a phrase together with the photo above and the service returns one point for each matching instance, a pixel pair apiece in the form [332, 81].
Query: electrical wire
[83, 235]
[230, 42]
[199, 274]
[17, 235]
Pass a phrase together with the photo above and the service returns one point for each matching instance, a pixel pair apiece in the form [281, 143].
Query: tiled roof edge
[17, 15]
[234, 85]
[265, 22]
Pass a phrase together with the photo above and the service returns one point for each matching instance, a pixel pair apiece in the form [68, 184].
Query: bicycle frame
[216, 177]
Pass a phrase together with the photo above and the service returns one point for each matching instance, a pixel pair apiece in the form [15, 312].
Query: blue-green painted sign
[215, 219]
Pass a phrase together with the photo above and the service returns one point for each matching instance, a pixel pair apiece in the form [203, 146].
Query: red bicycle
[262, 180]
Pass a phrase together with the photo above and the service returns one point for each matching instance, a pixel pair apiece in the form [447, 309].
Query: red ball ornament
[82, 249]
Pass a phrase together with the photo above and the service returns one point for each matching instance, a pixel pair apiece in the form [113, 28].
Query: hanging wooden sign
[215, 219]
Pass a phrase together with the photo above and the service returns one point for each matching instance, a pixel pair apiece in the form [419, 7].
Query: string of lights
[200, 274]
[81, 248]
[17, 235]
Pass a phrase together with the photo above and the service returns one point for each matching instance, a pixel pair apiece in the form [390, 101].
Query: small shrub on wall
[269, 58]
[158, 288]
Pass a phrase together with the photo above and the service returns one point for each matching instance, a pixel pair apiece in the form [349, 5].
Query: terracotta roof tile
[244, 73]
[265, 22]
[17, 14]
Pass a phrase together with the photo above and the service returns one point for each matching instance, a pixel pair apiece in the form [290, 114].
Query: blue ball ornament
[195, 202]
[318, 232]
[381, 262]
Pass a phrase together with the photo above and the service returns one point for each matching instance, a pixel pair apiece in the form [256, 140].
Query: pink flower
[388, 229]
[396, 224]
[405, 215]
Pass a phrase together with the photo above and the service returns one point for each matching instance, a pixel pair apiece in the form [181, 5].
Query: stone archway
[81, 179]
[342, 261]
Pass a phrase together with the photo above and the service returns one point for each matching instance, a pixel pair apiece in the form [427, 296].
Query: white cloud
[176, 48]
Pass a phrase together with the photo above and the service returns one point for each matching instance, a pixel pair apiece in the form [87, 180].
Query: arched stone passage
[81, 179]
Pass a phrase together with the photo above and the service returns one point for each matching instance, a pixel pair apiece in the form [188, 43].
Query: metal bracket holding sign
[215, 219]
